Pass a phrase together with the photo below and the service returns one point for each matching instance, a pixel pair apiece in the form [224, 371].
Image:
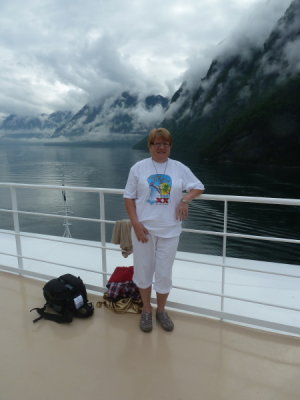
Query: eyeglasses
[160, 144]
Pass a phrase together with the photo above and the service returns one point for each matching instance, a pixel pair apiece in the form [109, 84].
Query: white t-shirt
[157, 189]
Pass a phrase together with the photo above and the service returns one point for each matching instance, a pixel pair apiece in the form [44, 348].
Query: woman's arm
[139, 229]
[182, 211]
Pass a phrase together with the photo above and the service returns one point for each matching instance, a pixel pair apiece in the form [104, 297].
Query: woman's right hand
[141, 232]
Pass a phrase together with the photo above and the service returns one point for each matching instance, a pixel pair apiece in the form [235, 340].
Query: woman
[156, 206]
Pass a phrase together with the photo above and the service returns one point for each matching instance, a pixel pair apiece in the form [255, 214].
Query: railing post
[224, 252]
[103, 238]
[14, 206]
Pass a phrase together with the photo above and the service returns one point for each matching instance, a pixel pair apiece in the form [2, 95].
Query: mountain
[29, 127]
[116, 119]
[247, 107]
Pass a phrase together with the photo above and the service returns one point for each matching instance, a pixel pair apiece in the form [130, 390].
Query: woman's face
[160, 149]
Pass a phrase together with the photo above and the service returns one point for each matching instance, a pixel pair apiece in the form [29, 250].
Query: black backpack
[66, 298]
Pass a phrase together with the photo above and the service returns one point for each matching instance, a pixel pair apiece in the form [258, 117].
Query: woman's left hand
[182, 211]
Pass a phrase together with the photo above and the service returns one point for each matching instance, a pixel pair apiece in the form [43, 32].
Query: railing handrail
[62, 187]
[218, 197]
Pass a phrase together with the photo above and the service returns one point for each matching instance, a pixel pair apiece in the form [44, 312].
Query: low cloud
[58, 57]
[249, 32]
[291, 54]
[247, 36]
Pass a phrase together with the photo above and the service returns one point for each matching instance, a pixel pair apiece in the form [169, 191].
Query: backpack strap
[40, 311]
[59, 318]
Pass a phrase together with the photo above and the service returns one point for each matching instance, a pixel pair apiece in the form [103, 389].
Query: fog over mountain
[276, 58]
[246, 107]
[31, 128]
[114, 120]
[124, 118]
[62, 55]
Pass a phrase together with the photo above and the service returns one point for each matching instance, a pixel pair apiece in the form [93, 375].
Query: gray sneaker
[165, 321]
[146, 321]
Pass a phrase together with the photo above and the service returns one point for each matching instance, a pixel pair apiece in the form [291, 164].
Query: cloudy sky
[61, 54]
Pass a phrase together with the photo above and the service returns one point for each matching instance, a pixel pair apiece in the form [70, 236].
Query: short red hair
[160, 133]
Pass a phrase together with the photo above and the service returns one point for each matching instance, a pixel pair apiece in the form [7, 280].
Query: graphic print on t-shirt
[160, 188]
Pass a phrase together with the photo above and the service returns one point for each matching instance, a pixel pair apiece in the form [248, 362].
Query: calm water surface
[108, 167]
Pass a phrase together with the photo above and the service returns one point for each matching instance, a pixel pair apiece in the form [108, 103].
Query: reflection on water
[108, 167]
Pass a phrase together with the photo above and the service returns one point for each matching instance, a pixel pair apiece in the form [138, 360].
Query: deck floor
[108, 357]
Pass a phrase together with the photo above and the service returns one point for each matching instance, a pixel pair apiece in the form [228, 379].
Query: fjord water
[108, 167]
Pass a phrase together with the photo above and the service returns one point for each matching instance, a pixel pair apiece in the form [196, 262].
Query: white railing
[224, 263]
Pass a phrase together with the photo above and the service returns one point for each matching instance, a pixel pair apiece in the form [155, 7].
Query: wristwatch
[185, 201]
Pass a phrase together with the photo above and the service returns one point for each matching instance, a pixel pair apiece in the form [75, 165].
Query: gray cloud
[250, 30]
[58, 55]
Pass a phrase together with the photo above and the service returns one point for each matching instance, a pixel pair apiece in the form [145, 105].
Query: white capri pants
[154, 258]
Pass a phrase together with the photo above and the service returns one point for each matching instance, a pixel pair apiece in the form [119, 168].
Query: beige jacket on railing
[122, 235]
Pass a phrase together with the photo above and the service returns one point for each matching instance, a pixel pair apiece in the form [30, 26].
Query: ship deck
[108, 357]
